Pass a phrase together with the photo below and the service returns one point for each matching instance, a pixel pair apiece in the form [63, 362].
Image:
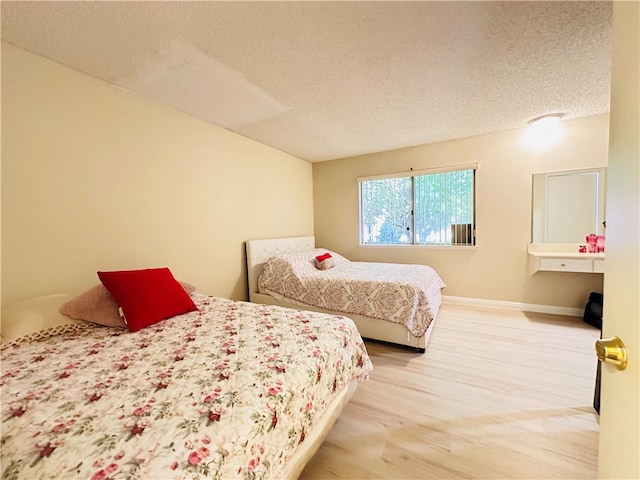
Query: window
[420, 208]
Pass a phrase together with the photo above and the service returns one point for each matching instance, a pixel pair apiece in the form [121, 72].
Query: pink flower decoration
[174, 465]
[275, 390]
[18, 412]
[196, 457]
[58, 428]
[46, 450]
[119, 455]
[99, 475]
[137, 429]
[253, 464]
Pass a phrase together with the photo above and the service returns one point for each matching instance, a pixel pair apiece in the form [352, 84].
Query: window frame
[417, 173]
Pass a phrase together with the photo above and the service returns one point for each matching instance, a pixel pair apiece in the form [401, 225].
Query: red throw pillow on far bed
[147, 296]
[324, 262]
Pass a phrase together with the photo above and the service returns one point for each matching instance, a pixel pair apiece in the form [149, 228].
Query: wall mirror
[567, 206]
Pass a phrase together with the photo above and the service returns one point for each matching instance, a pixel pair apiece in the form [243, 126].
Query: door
[620, 402]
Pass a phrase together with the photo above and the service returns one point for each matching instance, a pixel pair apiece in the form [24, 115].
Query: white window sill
[411, 245]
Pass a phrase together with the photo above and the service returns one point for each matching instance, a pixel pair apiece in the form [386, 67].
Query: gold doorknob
[613, 351]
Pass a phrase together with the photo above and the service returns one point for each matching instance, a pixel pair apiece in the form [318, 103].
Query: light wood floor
[497, 395]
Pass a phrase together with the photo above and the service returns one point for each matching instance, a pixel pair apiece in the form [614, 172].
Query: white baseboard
[521, 307]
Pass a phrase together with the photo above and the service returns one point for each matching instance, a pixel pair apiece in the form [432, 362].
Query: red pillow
[325, 262]
[320, 258]
[147, 296]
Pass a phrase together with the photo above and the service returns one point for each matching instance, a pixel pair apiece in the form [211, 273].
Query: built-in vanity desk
[562, 257]
[566, 207]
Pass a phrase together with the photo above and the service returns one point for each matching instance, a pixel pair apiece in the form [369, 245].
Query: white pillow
[33, 315]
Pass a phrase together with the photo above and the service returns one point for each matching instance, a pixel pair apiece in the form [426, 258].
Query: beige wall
[497, 269]
[94, 177]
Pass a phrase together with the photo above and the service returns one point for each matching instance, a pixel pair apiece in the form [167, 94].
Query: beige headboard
[259, 251]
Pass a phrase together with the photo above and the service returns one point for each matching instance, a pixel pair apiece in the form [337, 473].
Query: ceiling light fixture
[546, 121]
[544, 132]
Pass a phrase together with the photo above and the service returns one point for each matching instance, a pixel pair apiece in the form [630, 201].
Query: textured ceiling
[324, 80]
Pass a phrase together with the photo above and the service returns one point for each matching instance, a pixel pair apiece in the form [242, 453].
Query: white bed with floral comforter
[409, 295]
[228, 391]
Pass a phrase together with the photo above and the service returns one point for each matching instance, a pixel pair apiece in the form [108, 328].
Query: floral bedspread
[400, 293]
[228, 391]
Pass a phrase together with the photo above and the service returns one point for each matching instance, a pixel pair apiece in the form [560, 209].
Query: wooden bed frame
[259, 251]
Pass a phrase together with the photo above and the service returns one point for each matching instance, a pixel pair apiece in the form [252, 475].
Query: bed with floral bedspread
[228, 391]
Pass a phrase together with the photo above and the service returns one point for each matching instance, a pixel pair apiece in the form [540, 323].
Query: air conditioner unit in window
[461, 234]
